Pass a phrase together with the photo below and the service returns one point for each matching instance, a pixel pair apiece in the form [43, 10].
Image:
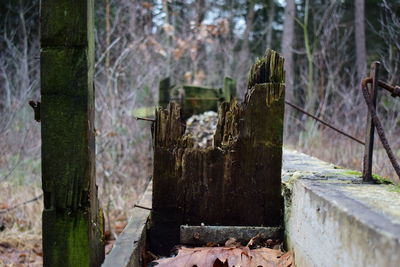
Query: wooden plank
[198, 99]
[201, 235]
[370, 128]
[72, 220]
[168, 129]
[130, 245]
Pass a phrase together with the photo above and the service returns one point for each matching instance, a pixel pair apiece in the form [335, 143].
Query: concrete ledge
[333, 220]
[131, 243]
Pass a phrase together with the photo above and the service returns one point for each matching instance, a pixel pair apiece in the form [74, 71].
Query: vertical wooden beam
[163, 92]
[72, 220]
[167, 131]
[229, 88]
[370, 128]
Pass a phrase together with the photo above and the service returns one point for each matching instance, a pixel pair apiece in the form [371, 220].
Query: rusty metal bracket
[373, 122]
[393, 89]
[370, 127]
[36, 109]
[145, 119]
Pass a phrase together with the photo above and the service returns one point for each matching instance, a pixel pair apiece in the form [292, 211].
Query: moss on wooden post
[72, 219]
[238, 180]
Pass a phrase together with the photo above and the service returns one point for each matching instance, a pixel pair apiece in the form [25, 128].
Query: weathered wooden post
[72, 219]
[237, 182]
[163, 92]
[168, 131]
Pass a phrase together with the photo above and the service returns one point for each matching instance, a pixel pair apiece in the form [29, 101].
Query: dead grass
[20, 248]
[20, 240]
[25, 218]
[20, 228]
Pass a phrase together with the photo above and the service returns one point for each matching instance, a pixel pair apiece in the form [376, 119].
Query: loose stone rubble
[202, 128]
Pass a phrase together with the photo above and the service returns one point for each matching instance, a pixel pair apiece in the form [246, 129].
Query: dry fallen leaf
[3, 206]
[119, 227]
[214, 256]
[232, 243]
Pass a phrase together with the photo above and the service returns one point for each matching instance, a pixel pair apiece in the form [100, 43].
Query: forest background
[328, 46]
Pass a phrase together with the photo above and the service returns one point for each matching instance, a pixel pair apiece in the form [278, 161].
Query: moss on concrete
[381, 180]
[394, 188]
[377, 178]
[351, 172]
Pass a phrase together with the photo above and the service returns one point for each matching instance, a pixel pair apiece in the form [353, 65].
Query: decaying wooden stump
[235, 182]
[72, 219]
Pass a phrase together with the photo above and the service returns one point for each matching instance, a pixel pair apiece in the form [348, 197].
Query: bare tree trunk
[167, 21]
[200, 64]
[245, 53]
[133, 16]
[361, 53]
[108, 42]
[24, 59]
[287, 42]
[271, 14]
[249, 26]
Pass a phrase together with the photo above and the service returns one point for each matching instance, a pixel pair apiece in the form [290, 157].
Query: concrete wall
[333, 220]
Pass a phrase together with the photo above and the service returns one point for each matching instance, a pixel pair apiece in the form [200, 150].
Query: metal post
[370, 129]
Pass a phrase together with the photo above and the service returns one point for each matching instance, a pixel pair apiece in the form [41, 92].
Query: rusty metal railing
[373, 121]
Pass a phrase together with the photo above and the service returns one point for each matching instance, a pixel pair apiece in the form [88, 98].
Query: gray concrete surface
[331, 219]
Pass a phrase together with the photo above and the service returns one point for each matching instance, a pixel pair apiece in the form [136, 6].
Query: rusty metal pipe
[394, 90]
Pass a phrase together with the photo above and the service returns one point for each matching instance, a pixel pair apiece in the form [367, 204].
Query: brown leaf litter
[228, 257]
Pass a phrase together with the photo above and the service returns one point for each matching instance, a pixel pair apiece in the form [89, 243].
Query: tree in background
[361, 50]
[288, 37]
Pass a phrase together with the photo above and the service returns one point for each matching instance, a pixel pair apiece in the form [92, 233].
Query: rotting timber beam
[237, 182]
[72, 220]
[202, 235]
